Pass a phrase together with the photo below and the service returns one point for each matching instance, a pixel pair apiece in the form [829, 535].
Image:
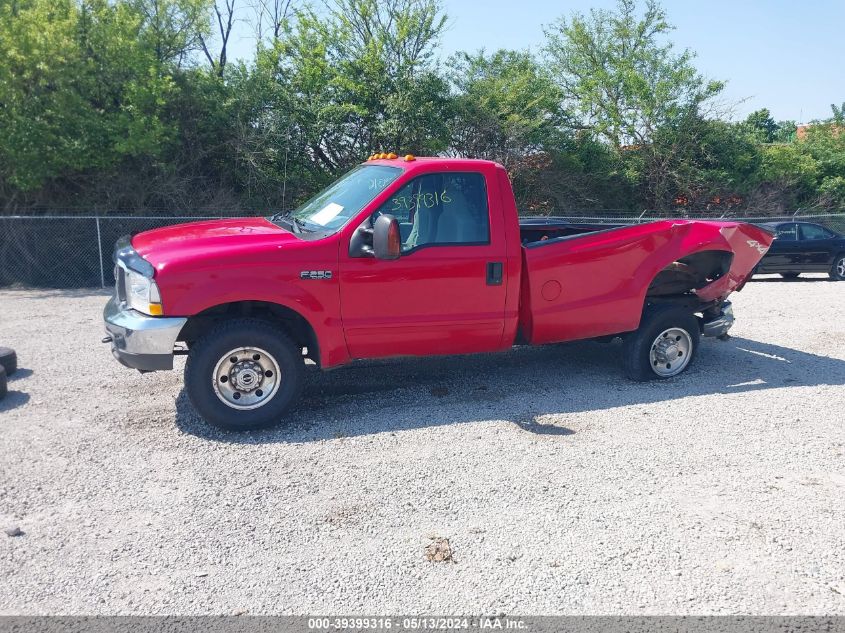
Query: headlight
[142, 294]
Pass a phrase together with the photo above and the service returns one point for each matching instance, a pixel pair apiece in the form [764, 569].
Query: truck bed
[583, 281]
[542, 229]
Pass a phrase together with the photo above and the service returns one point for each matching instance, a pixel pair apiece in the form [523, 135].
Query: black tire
[8, 360]
[4, 388]
[637, 347]
[837, 271]
[211, 349]
[790, 275]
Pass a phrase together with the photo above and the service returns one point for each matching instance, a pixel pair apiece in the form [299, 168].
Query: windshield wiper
[296, 225]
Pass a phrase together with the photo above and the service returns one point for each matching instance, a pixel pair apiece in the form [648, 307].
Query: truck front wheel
[663, 346]
[244, 374]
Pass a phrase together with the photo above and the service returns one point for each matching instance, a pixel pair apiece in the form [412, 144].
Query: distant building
[801, 130]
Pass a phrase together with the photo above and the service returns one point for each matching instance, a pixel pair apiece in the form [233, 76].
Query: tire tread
[194, 378]
[634, 347]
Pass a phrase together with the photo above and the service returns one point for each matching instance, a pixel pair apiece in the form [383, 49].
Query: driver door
[439, 296]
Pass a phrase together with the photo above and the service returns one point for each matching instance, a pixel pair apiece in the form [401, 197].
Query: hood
[169, 244]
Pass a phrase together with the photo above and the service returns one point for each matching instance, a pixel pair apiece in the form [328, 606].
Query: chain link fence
[75, 251]
[71, 250]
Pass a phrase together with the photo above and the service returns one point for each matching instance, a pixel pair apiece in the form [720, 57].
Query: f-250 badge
[315, 274]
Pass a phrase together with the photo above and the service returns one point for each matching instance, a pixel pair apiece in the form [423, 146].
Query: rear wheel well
[690, 273]
[294, 324]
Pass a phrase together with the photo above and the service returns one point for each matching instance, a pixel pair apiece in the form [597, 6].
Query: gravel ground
[560, 486]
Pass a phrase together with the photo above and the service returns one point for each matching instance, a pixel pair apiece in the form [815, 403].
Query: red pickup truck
[411, 257]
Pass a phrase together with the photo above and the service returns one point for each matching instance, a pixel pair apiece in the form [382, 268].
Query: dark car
[803, 247]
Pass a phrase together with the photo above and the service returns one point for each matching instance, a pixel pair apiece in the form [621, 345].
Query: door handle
[494, 273]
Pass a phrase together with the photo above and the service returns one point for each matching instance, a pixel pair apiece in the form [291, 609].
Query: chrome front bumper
[139, 341]
[719, 326]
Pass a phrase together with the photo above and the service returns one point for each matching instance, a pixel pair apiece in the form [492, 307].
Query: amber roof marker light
[390, 156]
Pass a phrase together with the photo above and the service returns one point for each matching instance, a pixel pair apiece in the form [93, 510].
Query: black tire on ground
[205, 354]
[637, 346]
[8, 360]
[837, 271]
[3, 385]
[790, 275]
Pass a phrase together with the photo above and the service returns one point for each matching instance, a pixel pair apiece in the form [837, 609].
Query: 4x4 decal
[761, 248]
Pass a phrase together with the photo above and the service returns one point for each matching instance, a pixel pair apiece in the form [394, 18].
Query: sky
[782, 55]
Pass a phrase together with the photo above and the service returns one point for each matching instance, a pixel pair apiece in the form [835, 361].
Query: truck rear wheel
[663, 346]
[244, 375]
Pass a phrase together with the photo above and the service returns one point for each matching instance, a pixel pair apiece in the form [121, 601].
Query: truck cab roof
[426, 161]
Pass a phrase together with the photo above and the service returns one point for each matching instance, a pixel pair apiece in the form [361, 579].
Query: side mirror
[387, 240]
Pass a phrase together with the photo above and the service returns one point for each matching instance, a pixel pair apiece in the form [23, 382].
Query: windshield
[339, 202]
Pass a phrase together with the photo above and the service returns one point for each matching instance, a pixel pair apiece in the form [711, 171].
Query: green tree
[761, 124]
[632, 89]
[786, 132]
[39, 102]
[705, 163]
[86, 86]
[172, 29]
[765, 129]
[622, 75]
[787, 177]
[362, 79]
[136, 104]
[506, 107]
[838, 113]
[825, 145]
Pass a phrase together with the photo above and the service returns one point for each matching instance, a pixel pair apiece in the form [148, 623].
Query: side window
[814, 232]
[787, 232]
[440, 209]
[398, 206]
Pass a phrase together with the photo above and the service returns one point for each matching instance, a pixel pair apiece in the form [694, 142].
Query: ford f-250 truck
[411, 257]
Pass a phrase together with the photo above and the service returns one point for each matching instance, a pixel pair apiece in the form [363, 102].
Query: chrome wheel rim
[670, 352]
[840, 267]
[246, 378]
